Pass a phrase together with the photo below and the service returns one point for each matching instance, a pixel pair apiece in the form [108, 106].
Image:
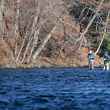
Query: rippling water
[54, 89]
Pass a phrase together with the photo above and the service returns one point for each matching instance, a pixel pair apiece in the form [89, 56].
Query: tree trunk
[2, 11]
[90, 23]
[107, 20]
[41, 47]
[17, 25]
[34, 44]
[27, 48]
[32, 32]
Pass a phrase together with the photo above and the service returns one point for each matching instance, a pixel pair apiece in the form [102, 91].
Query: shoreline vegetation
[48, 65]
[45, 67]
[47, 33]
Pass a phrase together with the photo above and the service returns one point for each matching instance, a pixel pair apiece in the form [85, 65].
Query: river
[54, 89]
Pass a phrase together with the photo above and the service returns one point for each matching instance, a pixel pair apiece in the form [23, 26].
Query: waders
[106, 65]
[91, 64]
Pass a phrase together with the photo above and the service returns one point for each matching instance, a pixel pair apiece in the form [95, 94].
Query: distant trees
[34, 22]
[86, 10]
[32, 28]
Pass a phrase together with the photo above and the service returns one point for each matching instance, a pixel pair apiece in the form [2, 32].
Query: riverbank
[41, 65]
[76, 60]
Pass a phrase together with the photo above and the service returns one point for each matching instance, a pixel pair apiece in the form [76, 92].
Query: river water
[54, 89]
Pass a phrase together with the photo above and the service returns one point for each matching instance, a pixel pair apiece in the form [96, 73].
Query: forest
[45, 33]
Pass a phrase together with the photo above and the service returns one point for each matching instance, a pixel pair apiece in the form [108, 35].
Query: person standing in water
[106, 58]
[91, 59]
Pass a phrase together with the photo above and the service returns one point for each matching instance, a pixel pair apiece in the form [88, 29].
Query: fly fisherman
[106, 61]
[91, 59]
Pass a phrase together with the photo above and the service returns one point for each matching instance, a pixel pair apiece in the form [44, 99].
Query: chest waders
[91, 64]
[106, 64]
[91, 58]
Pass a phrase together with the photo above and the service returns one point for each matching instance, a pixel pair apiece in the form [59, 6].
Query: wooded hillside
[52, 32]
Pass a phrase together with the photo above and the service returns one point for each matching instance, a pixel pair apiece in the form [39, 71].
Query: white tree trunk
[105, 28]
[27, 48]
[22, 45]
[34, 44]
[17, 25]
[32, 32]
[41, 47]
[90, 23]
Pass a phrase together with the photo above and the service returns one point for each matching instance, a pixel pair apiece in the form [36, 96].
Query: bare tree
[81, 39]
[105, 29]
[38, 22]
[17, 24]
[2, 28]
[2, 11]
[44, 43]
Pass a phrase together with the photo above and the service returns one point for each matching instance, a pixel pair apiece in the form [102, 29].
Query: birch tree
[17, 24]
[104, 33]
[42, 15]
[2, 11]
[90, 23]
[2, 28]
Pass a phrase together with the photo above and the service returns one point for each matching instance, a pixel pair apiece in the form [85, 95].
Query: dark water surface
[54, 89]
